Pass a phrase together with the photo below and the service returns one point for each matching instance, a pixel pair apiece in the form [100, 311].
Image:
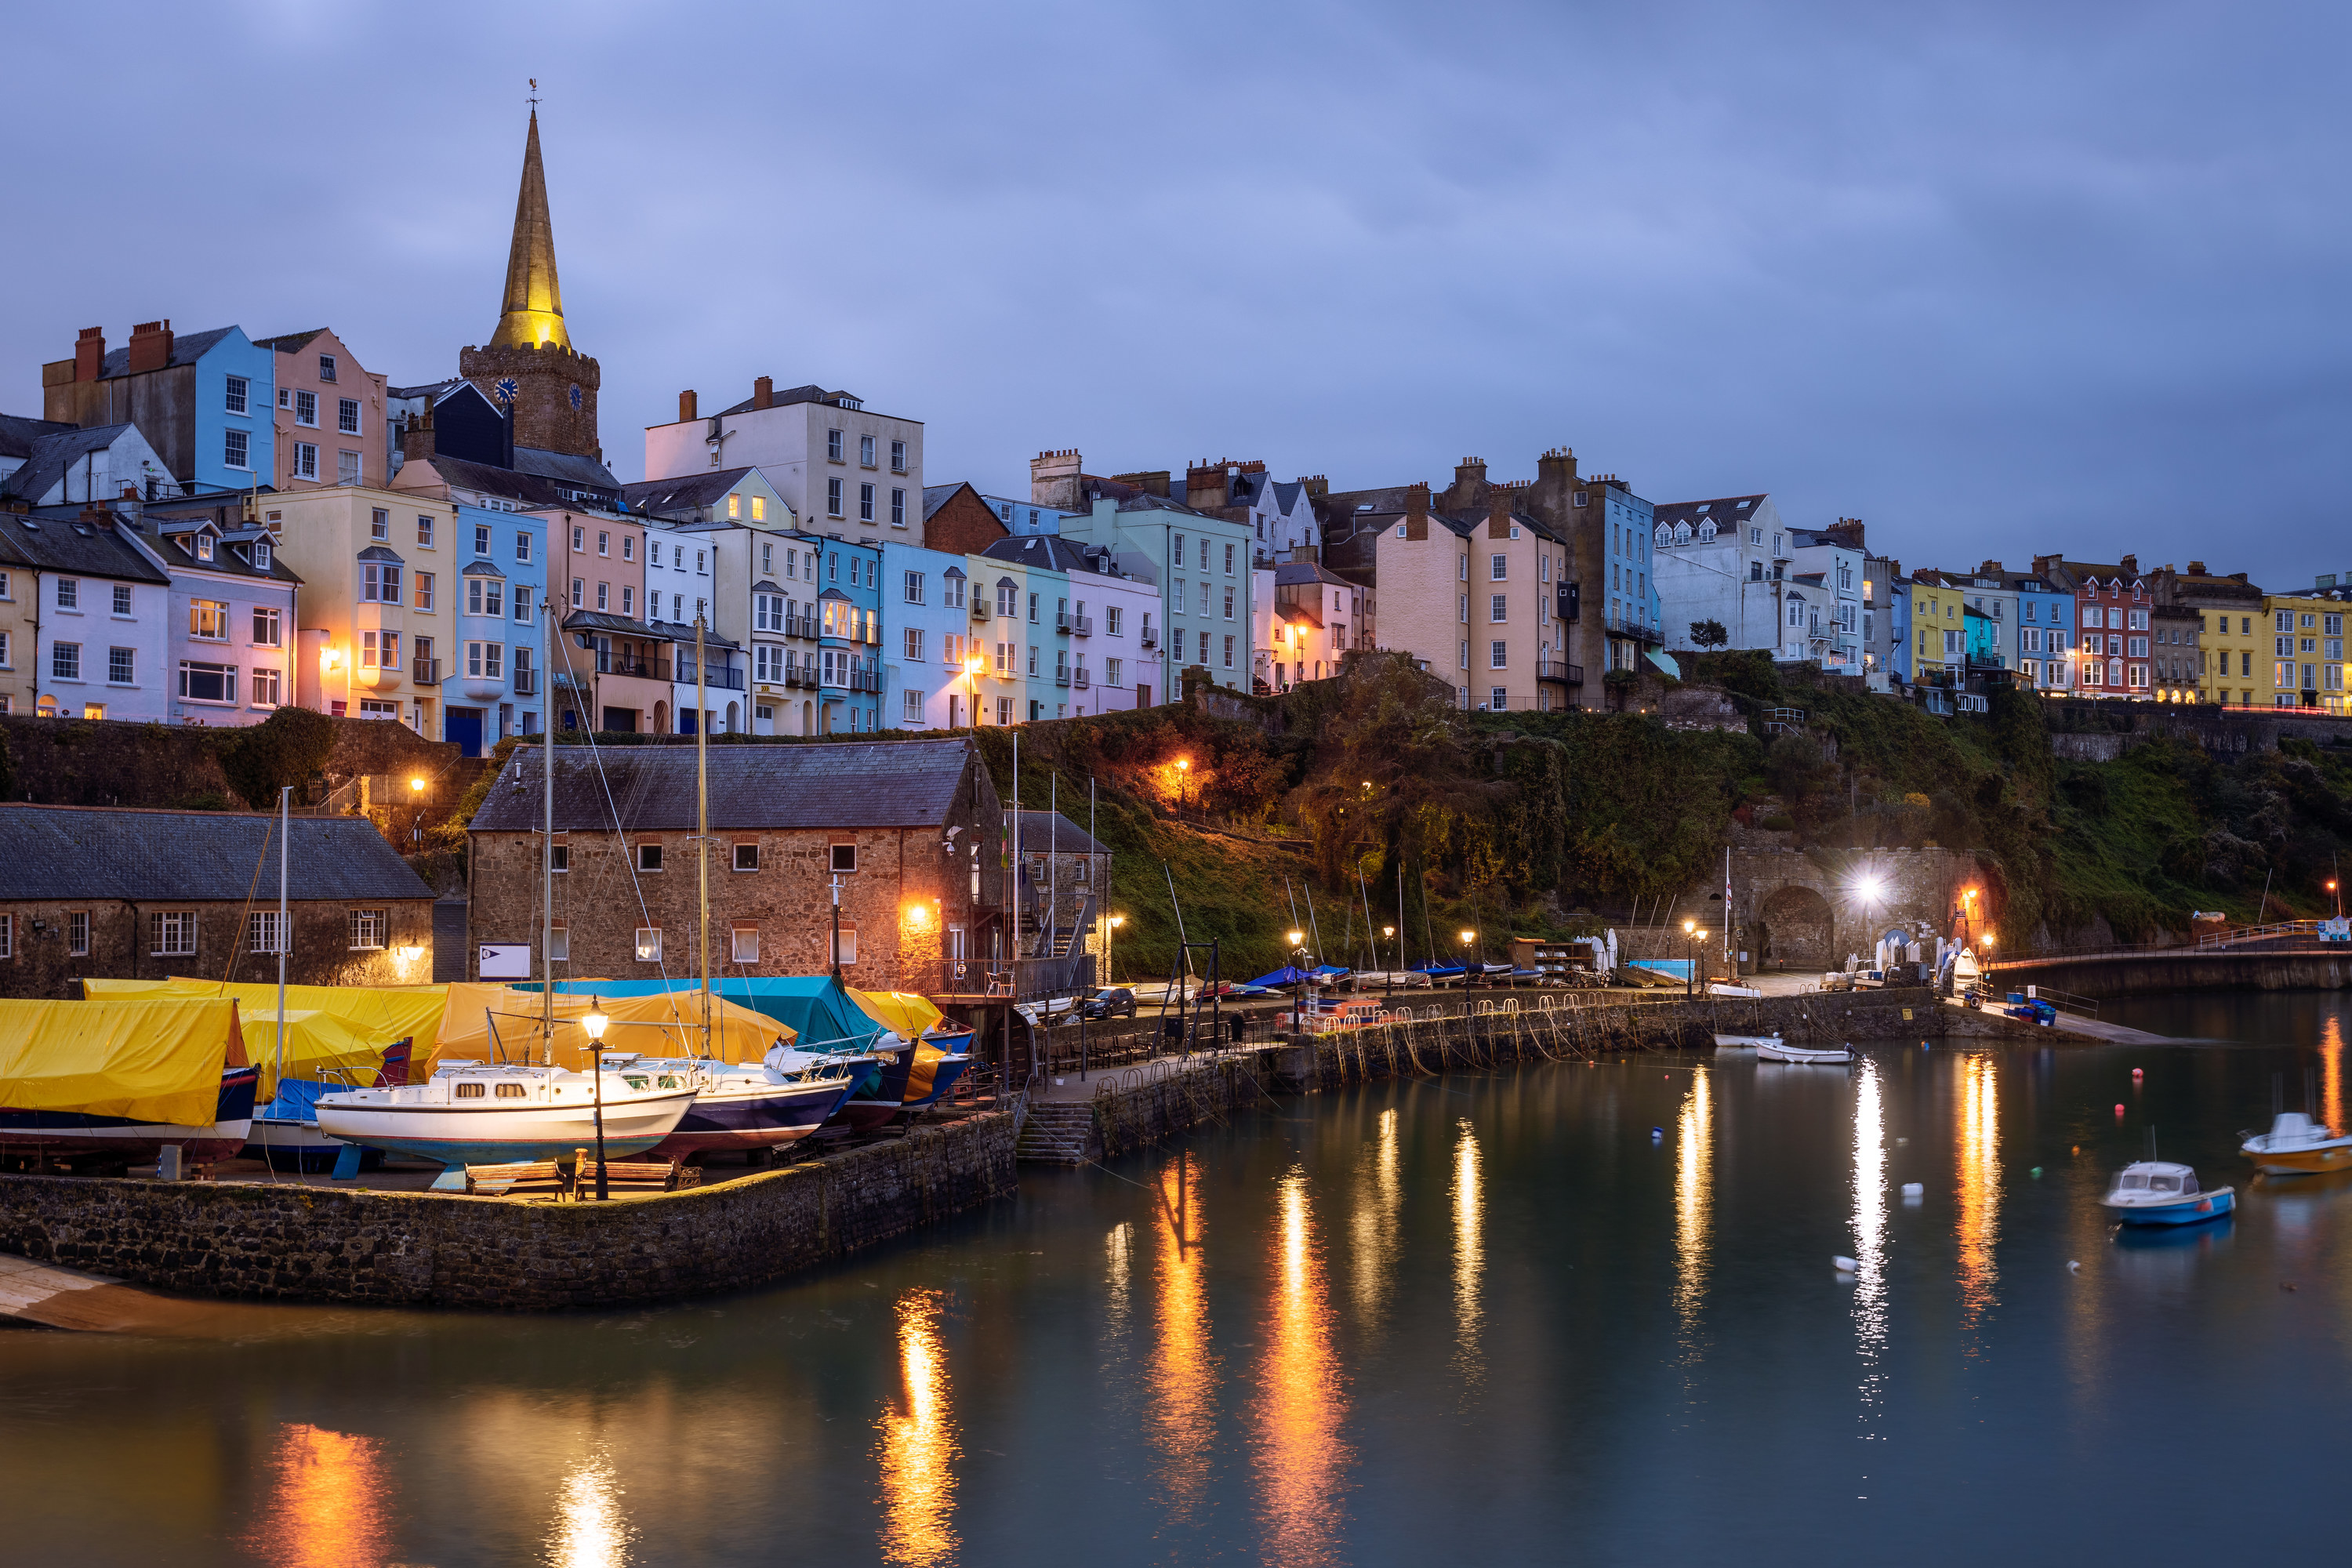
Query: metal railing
[2277, 930]
[1061, 678]
[1082, 625]
[1567, 674]
[1640, 631]
[526, 683]
[426, 672]
[723, 679]
[1017, 979]
[1078, 678]
[616, 664]
[980, 610]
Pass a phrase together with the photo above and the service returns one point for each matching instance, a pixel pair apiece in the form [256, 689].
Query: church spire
[533, 315]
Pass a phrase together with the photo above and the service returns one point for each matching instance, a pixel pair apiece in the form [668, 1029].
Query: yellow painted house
[2306, 636]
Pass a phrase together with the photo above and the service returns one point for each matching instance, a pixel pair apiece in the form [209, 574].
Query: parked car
[1111, 1002]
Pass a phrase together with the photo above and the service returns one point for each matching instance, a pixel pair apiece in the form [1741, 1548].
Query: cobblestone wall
[420, 1249]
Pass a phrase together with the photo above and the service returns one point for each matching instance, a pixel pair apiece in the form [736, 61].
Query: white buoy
[1913, 1189]
[1846, 1265]
[2073, 1267]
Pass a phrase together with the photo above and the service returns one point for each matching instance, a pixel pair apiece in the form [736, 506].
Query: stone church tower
[530, 361]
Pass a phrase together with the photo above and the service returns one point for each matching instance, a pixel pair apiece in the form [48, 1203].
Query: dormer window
[261, 556]
[203, 547]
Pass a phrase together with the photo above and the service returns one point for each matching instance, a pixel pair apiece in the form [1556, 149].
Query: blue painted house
[849, 637]
[207, 402]
[491, 684]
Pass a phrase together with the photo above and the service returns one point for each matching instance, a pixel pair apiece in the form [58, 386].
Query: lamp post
[595, 1022]
[2338, 893]
[1299, 983]
[1469, 936]
[1110, 975]
[416, 795]
[1389, 990]
[1184, 776]
[1690, 949]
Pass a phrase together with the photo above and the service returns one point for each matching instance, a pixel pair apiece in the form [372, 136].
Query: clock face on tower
[507, 389]
[575, 397]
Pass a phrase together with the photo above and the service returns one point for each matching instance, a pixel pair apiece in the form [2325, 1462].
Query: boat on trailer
[472, 1112]
[1779, 1050]
[77, 1135]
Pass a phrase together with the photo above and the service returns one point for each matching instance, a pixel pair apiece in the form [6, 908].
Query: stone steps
[1056, 1136]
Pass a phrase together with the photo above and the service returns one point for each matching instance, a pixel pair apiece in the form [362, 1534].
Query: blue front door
[464, 726]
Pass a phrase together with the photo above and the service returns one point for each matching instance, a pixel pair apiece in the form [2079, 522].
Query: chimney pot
[89, 353]
[685, 408]
[151, 345]
[763, 392]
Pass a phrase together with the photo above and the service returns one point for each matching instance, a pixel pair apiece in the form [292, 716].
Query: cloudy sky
[1996, 278]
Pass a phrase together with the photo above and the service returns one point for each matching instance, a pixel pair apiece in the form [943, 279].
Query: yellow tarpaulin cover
[906, 1014]
[902, 1011]
[662, 1025]
[374, 1015]
[320, 1048]
[149, 1058]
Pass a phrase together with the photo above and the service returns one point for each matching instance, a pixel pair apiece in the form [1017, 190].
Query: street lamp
[1690, 940]
[1297, 983]
[593, 1022]
[1183, 773]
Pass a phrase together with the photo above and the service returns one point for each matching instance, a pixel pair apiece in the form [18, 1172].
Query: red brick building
[2114, 608]
[957, 520]
[909, 829]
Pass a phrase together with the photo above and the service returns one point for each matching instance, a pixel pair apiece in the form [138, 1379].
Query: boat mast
[285, 816]
[702, 817]
[546, 837]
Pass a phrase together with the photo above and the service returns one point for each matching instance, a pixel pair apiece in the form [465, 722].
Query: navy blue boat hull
[791, 1112]
[73, 1133]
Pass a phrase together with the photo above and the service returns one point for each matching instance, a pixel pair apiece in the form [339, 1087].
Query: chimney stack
[1205, 486]
[2130, 564]
[1316, 484]
[1499, 512]
[1416, 501]
[2197, 568]
[1054, 479]
[685, 408]
[151, 345]
[763, 392]
[416, 435]
[89, 353]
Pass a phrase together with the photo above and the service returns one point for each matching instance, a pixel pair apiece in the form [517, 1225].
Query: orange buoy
[2119, 1111]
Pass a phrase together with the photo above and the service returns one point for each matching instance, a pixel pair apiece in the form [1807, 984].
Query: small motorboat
[474, 1112]
[2297, 1146]
[2156, 1191]
[1776, 1050]
[1745, 1042]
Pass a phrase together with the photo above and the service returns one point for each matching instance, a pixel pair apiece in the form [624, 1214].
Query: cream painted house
[1482, 603]
[379, 572]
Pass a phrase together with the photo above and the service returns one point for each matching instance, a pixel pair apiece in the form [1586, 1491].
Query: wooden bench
[576, 1178]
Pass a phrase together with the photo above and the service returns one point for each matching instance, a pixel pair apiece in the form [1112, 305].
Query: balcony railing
[979, 607]
[526, 683]
[1061, 678]
[644, 668]
[1566, 674]
[1082, 625]
[426, 672]
[1150, 640]
[1078, 678]
[721, 679]
[1640, 631]
[799, 675]
[1017, 979]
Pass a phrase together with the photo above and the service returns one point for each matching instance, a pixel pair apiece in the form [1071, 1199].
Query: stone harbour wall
[272, 1242]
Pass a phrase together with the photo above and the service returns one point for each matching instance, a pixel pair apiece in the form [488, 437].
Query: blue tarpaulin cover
[1286, 975]
[824, 1014]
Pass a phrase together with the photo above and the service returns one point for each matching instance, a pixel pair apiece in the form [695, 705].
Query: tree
[1708, 634]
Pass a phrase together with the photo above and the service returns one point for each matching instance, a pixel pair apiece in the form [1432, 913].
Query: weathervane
[534, 95]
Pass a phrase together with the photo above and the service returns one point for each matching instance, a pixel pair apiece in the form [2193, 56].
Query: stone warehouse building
[910, 830]
[126, 894]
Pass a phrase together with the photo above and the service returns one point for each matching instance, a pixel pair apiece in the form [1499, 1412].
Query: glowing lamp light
[1388, 932]
[1469, 936]
[1871, 888]
[331, 659]
[594, 1020]
[417, 786]
[1295, 938]
[918, 916]
[1117, 922]
[974, 665]
[1689, 927]
[409, 953]
[1988, 939]
[1184, 765]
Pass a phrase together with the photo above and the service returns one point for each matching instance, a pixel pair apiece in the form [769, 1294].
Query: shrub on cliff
[290, 747]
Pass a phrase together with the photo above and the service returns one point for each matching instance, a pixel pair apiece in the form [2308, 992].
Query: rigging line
[596, 758]
[244, 920]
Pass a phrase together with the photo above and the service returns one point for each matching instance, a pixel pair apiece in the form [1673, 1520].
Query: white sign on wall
[506, 961]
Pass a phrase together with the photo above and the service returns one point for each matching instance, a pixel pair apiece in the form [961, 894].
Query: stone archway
[1801, 930]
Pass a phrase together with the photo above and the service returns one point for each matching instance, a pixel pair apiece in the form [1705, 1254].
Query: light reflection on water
[1301, 1457]
[1693, 1172]
[917, 1451]
[1870, 1318]
[1379, 1201]
[328, 1501]
[1469, 1258]
[591, 1529]
[2331, 1067]
[1979, 1147]
[1183, 1372]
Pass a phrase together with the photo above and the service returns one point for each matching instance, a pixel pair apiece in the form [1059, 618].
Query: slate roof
[176, 550]
[1286, 573]
[1042, 829]
[1051, 552]
[682, 633]
[934, 496]
[882, 783]
[605, 621]
[566, 469]
[289, 342]
[505, 483]
[690, 492]
[52, 455]
[18, 432]
[66, 544]
[810, 394]
[1721, 510]
[431, 389]
[188, 348]
[52, 852]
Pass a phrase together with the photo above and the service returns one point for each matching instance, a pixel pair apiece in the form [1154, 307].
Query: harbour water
[1566, 1313]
